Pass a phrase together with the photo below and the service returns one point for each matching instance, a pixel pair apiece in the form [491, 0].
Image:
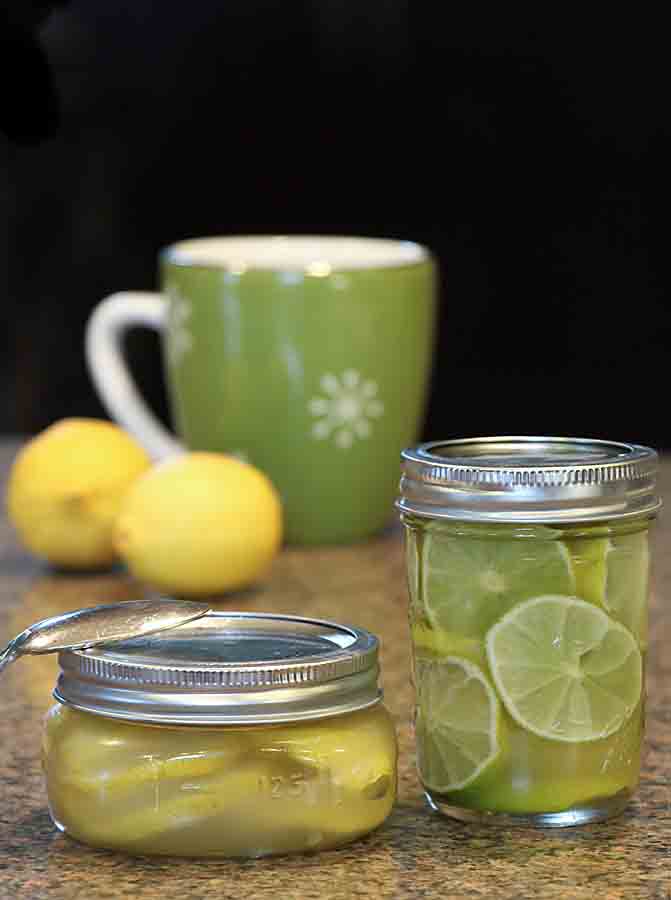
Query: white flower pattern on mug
[179, 337]
[345, 411]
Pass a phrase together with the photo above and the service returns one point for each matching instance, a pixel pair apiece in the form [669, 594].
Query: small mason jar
[238, 734]
[528, 568]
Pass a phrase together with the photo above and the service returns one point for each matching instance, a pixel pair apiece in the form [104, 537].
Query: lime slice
[554, 795]
[522, 530]
[469, 583]
[412, 563]
[588, 557]
[564, 669]
[627, 583]
[457, 722]
[447, 643]
[614, 574]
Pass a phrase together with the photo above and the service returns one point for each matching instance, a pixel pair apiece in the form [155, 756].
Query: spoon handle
[7, 656]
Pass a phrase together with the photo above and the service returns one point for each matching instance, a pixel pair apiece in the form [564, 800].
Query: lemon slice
[564, 669]
[457, 722]
[469, 583]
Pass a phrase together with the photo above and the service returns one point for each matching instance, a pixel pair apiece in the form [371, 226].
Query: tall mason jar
[528, 567]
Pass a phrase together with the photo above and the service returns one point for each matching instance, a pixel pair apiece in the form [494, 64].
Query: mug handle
[105, 330]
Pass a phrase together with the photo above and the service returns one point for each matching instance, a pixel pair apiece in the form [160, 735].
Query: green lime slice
[522, 530]
[588, 558]
[554, 796]
[412, 563]
[440, 643]
[457, 722]
[627, 583]
[564, 669]
[614, 574]
[469, 583]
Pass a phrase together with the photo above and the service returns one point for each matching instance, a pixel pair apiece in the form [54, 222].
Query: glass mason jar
[528, 569]
[234, 735]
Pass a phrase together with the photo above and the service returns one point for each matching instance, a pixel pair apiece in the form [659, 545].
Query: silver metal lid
[528, 479]
[227, 668]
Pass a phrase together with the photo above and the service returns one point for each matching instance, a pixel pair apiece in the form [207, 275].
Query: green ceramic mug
[308, 356]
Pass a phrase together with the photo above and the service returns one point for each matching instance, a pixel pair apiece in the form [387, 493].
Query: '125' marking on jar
[296, 786]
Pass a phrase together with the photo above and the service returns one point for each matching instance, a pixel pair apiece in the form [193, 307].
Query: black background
[526, 146]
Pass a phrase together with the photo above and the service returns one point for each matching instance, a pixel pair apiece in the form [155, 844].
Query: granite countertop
[416, 853]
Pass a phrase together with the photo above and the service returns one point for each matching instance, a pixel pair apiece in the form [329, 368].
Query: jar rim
[227, 668]
[528, 479]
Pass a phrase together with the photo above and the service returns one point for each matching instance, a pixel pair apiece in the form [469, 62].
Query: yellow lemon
[200, 523]
[65, 489]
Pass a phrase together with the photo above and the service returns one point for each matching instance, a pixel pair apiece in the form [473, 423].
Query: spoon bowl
[106, 624]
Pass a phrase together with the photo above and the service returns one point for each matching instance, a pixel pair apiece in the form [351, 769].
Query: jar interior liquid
[529, 655]
[229, 790]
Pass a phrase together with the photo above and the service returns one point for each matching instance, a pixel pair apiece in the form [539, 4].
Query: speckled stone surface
[416, 853]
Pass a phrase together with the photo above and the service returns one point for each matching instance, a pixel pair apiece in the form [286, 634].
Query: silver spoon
[101, 625]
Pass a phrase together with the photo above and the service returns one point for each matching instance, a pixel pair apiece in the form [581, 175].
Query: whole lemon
[200, 523]
[65, 489]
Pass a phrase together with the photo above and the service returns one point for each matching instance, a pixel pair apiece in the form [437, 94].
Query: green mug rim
[169, 255]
